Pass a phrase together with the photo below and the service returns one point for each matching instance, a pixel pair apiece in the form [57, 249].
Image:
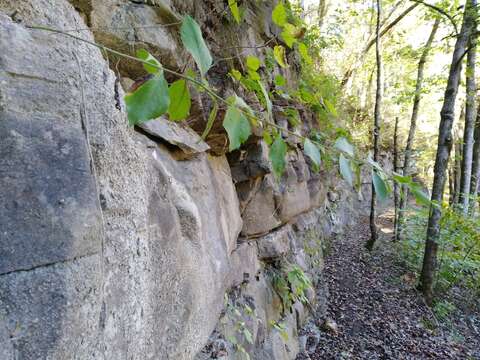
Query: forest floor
[375, 312]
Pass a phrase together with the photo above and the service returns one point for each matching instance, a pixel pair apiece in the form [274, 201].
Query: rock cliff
[145, 243]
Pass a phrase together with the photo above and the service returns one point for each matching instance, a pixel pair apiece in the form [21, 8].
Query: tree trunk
[445, 141]
[457, 170]
[470, 117]
[376, 127]
[475, 185]
[322, 12]
[396, 188]
[413, 120]
[451, 188]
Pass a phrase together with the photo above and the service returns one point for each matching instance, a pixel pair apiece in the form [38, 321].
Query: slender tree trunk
[413, 121]
[470, 118]
[376, 127]
[451, 188]
[457, 169]
[322, 12]
[396, 188]
[475, 185]
[445, 142]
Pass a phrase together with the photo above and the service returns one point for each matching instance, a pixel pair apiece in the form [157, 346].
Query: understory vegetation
[459, 255]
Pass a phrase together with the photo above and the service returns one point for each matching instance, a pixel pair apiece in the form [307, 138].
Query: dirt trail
[376, 310]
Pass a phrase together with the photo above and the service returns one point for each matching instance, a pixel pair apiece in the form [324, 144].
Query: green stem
[172, 72]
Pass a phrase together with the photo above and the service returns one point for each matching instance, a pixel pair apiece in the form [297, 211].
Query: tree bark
[396, 188]
[322, 12]
[445, 142]
[475, 184]
[470, 117]
[376, 127]
[457, 169]
[413, 120]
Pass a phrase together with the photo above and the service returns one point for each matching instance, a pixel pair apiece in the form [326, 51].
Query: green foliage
[459, 247]
[155, 66]
[344, 145]
[237, 126]
[180, 100]
[279, 15]
[234, 10]
[193, 41]
[278, 152]
[237, 313]
[281, 328]
[149, 101]
[279, 54]
[381, 188]
[291, 284]
[312, 151]
[345, 169]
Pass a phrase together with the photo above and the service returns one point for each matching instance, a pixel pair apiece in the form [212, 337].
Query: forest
[199, 140]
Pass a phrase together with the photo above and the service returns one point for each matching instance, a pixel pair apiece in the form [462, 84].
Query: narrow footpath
[374, 311]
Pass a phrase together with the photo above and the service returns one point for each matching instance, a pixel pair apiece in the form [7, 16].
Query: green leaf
[420, 196]
[193, 41]
[268, 102]
[280, 81]
[279, 54]
[331, 109]
[234, 9]
[146, 56]
[180, 100]
[237, 127]
[345, 169]
[149, 101]
[381, 188]
[237, 75]
[248, 335]
[267, 137]
[402, 179]
[278, 152]
[253, 75]
[253, 63]
[312, 151]
[303, 50]
[279, 15]
[343, 145]
[211, 119]
[289, 34]
[238, 101]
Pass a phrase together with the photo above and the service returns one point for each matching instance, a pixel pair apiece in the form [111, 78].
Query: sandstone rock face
[127, 243]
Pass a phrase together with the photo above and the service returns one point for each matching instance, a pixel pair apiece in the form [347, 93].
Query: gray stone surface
[173, 133]
[274, 245]
[49, 209]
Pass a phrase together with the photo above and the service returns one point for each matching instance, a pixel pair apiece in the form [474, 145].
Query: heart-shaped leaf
[312, 151]
[149, 101]
[195, 44]
[343, 145]
[180, 100]
[381, 188]
[278, 152]
[346, 170]
[279, 54]
[279, 15]
[237, 126]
